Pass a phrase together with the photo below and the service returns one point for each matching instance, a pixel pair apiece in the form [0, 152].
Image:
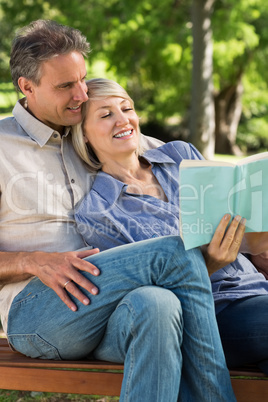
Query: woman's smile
[124, 134]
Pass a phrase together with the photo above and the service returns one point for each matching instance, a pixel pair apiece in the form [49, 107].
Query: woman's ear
[85, 138]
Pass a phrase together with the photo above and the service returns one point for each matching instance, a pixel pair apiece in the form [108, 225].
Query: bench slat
[18, 372]
[250, 390]
[15, 359]
[46, 380]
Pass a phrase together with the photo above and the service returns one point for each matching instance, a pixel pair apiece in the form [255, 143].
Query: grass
[25, 396]
[227, 158]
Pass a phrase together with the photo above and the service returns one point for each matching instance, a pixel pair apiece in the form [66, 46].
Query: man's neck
[59, 129]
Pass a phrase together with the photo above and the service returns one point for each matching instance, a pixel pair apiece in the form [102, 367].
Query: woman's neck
[137, 174]
[124, 169]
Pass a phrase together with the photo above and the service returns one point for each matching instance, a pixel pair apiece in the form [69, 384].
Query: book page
[253, 158]
[203, 201]
[207, 192]
[252, 202]
[203, 163]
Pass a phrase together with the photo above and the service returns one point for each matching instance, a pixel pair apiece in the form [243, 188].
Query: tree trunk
[228, 109]
[202, 118]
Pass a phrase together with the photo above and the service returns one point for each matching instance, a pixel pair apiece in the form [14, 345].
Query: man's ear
[26, 86]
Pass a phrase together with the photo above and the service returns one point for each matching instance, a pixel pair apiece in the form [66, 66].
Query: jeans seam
[132, 354]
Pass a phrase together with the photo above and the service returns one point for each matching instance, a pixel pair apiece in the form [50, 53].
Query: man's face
[57, 100]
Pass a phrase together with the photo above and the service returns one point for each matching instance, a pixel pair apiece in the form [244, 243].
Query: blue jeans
[154, 312]
[244, 331]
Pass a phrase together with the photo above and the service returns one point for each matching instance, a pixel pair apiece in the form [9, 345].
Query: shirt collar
[110, 188]
[38, 131]
[157, 156]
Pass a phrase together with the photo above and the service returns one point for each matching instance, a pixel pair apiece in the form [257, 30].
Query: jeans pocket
[34, 346]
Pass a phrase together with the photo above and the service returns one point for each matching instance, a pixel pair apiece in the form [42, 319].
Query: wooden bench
[18, 372]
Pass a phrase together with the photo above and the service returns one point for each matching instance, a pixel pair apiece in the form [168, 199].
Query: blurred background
[196, 69]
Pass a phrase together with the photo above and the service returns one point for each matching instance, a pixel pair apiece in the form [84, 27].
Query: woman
[135, 196]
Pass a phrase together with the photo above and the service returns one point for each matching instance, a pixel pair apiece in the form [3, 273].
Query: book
[210, 189]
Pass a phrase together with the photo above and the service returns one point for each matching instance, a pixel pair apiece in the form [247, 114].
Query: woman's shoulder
[179, 150]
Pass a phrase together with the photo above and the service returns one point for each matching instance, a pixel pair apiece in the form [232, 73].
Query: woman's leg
[146, 332]
[40, 325]
[243, 328]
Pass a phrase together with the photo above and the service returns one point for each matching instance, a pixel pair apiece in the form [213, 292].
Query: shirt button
[154, 235]
[72, 181]
[55, 135]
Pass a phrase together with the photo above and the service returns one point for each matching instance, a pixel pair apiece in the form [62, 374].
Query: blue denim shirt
[109, 216]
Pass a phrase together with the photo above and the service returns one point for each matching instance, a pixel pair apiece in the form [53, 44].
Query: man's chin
[73, 120]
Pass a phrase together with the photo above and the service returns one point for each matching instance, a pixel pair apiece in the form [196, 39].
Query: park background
[196, 69]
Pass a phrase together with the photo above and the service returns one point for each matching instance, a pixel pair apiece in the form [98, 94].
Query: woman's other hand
[225, 244]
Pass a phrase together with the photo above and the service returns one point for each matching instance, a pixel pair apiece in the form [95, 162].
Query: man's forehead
[64, 69]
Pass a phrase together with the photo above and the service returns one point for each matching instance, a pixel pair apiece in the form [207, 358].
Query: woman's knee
[154, 305]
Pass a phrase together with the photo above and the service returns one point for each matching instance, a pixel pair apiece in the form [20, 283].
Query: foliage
[147, 46]
[252, 135]
[241, 46]
[8, 97]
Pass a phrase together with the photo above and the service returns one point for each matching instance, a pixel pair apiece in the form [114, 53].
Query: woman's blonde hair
[98, 88]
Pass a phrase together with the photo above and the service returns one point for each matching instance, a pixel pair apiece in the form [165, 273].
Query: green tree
[148, 47]
[202, 117]
[240, 47]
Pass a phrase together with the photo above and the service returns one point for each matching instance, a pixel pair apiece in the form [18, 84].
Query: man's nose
[80, 93]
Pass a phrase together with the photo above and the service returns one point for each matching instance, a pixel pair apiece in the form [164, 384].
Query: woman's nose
[121, 119]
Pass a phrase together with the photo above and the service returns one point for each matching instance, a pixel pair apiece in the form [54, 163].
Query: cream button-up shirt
[41, 180]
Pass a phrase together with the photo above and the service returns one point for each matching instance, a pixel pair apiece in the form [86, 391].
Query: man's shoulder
[150, 142]
[9, 125]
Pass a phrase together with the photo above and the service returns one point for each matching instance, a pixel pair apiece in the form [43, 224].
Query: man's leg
[42, 326]
[243, 328]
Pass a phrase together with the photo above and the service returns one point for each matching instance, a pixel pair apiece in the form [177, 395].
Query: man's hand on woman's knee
[62, 272]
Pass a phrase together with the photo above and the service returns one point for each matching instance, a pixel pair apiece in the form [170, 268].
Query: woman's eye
[106, 115]
[127, 109]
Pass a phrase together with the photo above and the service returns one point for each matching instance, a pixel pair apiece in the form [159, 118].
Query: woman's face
[111, 126]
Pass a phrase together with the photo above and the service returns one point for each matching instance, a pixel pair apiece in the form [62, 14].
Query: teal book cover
[210, 189]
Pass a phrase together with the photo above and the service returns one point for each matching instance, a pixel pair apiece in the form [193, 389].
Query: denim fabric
[244, 331]
[154, 312]
[235, 281]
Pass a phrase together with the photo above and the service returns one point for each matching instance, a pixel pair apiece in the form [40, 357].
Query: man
[149, 304]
